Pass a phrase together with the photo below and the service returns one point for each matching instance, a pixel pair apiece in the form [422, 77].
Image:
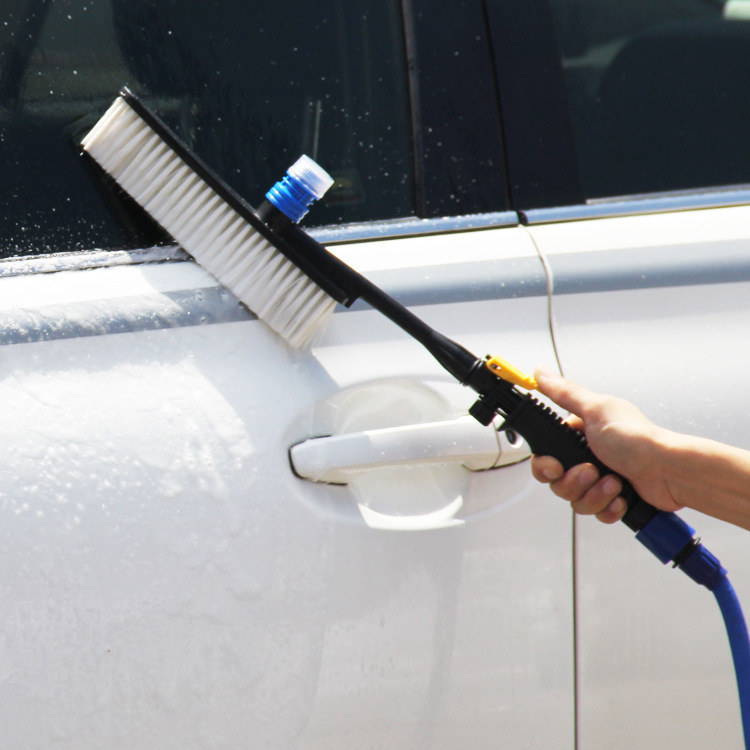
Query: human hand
[620, 436]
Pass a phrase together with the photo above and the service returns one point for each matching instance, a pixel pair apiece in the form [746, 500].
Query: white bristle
[219, 238]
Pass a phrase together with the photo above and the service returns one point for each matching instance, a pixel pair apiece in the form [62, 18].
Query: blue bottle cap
[304, 183]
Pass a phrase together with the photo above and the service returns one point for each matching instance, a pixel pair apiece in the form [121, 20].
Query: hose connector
[673, 540]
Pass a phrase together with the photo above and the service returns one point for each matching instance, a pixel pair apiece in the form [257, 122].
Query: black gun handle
[548, 435]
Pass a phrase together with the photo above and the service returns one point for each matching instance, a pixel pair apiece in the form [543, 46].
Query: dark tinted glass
[657, 92]
[248, 85]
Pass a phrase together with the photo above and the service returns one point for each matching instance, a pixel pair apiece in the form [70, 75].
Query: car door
[647, 252]
[175, 574]
[666, 314]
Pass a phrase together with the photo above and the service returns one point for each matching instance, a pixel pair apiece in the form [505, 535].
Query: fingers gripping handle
[547, 434]
[664, 534]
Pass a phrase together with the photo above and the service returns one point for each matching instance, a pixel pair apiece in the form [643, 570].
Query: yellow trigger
[512, 374]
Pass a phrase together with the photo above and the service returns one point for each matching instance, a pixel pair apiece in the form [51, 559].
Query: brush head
[207, 219]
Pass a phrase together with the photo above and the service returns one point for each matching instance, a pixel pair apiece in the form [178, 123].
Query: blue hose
[671, 539]
[740, 645]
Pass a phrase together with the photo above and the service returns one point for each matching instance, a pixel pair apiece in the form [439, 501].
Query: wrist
[689, 467]
[668, 458]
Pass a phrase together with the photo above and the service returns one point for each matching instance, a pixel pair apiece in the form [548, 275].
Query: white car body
[673, 294]
[167, 562]
[171, 582]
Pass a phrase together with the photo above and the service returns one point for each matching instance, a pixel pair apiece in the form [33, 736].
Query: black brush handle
[548, 435]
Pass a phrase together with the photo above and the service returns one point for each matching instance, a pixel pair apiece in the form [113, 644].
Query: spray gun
[664, 534]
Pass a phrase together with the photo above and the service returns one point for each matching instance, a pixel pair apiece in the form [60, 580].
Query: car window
[657, 92]
[248, 85]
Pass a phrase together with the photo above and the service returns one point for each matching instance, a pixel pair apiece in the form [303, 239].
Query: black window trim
[444, 163]
[540, 146]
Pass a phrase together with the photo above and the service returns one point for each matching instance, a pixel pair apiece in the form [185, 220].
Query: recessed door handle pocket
[337, 458]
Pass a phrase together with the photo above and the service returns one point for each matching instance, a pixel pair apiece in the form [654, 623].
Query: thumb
[565, 393]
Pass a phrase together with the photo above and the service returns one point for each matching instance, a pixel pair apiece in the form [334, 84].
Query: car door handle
[336, 458]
